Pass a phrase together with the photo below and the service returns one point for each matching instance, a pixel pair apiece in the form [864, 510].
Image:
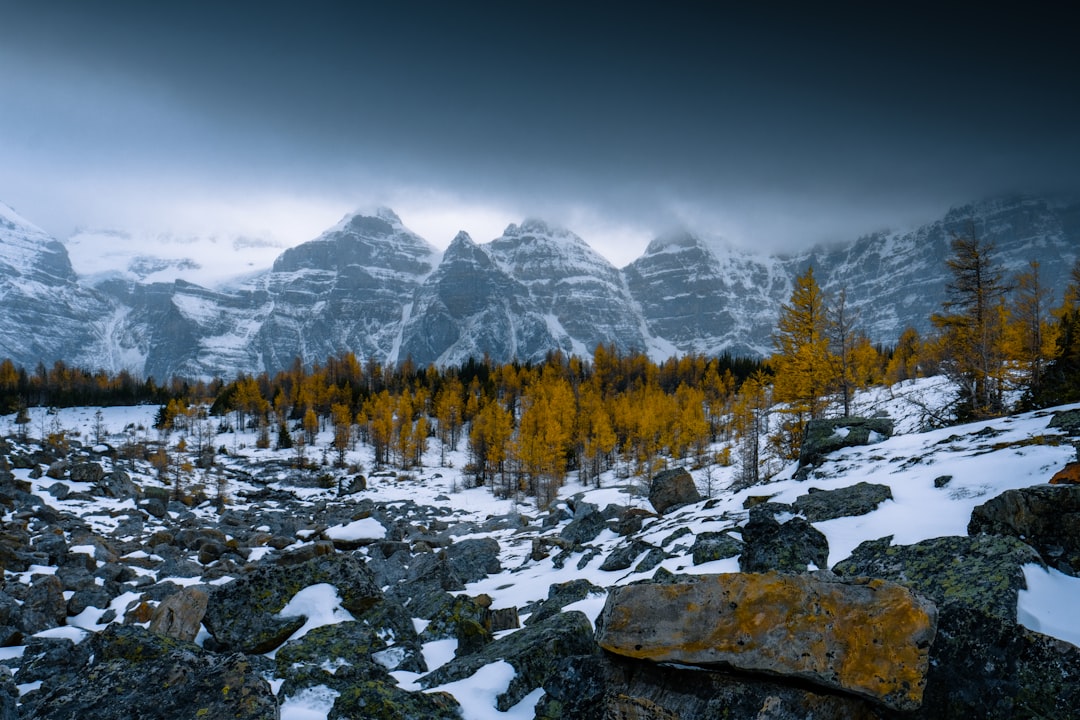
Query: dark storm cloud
[783, 124]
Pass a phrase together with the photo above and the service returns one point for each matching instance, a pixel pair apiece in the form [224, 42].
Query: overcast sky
[774, 128]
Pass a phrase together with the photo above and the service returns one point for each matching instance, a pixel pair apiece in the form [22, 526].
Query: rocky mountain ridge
[371, 286]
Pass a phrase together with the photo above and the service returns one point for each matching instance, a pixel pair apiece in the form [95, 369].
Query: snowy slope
[984, 459]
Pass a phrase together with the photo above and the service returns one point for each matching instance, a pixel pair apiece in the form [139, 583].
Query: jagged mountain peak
[461, 239]
[675, 241]
[378, 240]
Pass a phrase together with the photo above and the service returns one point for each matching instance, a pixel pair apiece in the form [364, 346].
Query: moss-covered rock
[242, 615]
[826, 436]
[983, 572]
[985, 667]
[792, 546]
[134, 673]
[858, 499]
[559, 596]
[1047, 517]
[534, 652]
[709, 546]
[374, 700]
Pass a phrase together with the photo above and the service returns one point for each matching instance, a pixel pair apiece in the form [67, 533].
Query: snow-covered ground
[983, 460]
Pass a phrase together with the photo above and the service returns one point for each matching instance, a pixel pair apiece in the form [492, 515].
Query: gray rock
[858, 499]
[622, 557]
[534, 652]
[671, 489]
[180, 615]
[242, 614]
[1047, 517]
[709, 546]
[561, 595]
[790, 547]
[87, 472]
[826, 436]
[117, 484]
[588, 522]
[135, 673]
[983, 666]
[44, 606]
[1066, 420]
[474, 559]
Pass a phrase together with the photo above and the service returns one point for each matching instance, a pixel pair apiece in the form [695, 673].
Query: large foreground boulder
[1047, 517]
[870, 638]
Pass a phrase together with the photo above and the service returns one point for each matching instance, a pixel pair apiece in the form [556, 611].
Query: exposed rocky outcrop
[1047, 517]
[983, 572]
[243, 614]
[186, 681]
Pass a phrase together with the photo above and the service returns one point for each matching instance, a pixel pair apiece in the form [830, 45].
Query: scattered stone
[534, 652]
[474, 559]
[624, 556]
[588, 522]
[180, 615]
[826, 436]
[870, 637]
[561, 595]
[942, 480]
[1047, 517]
[243, 614]
[44, 606]
[672, 489]
[709, 546]
[792, 546]
[150, 676]
[1067, 421]
[87, 472]
[859, 499]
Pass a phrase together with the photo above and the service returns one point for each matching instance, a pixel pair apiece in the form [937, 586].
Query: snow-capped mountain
[371, 286]
[45, 314]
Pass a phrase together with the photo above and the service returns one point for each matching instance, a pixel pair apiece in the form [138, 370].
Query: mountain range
[371, 286]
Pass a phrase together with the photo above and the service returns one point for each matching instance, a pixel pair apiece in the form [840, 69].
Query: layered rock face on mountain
[700, 301]
[371, 286]
[45, 315]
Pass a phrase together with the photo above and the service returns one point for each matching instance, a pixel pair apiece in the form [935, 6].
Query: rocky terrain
[924, 575]
[371, 286]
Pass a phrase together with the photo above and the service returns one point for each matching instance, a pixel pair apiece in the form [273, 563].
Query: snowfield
[981, 459]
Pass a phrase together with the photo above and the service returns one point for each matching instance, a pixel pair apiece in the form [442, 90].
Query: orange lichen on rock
[1068, 475]
[867, 637]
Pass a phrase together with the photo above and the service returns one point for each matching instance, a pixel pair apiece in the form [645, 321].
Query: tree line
[526, 427]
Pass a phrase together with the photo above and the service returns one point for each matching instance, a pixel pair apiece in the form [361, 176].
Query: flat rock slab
[867, 637]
